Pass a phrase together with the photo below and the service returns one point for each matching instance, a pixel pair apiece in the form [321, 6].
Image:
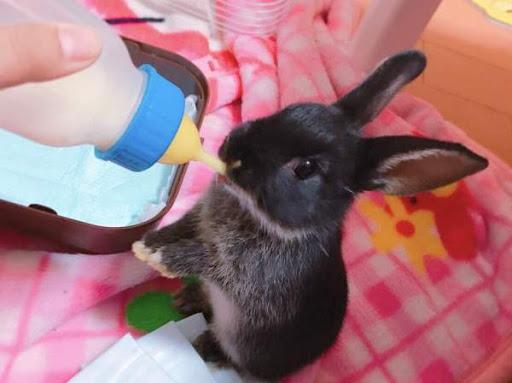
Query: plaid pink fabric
[430, 277]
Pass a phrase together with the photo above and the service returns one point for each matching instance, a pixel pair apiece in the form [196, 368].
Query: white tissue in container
[165, 355]
[75, 184]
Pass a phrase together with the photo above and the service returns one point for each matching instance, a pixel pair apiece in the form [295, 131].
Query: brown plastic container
[38, 228]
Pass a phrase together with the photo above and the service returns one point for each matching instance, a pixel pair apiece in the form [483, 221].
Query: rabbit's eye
[305, 169]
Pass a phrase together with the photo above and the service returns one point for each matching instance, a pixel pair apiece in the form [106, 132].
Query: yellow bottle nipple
[186, 147]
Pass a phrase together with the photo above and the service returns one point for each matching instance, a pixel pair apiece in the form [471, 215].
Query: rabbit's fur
[265, 242]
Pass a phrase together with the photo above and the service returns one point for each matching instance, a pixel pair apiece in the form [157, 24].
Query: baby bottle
[133, 116]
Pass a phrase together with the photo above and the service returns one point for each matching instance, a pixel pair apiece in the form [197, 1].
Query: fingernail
[78, 43]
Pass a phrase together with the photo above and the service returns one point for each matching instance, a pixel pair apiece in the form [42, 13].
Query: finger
[39, 52]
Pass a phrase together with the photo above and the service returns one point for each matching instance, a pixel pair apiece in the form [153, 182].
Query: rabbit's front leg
[174, 250]
[177, 259]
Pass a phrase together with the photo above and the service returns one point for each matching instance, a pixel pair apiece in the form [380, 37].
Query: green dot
[151, 310]
[191, 279]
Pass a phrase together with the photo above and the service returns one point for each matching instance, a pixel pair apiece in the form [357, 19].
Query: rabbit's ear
[405, 165]
[376, 91]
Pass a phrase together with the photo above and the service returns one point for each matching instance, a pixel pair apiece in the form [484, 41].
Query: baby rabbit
[265, 241]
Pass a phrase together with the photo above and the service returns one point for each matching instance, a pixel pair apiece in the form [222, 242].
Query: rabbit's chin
[221, 179]
[247, 202]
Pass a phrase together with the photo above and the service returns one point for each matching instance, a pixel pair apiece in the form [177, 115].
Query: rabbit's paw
[209, 349]
[152, 258]
[191, 300]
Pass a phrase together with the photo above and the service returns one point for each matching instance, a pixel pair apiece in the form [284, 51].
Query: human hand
[40, 52]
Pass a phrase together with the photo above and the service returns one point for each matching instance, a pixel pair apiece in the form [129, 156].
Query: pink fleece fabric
[430, 278]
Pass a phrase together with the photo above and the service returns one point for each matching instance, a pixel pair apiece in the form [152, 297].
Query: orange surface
[462, 26]
[469, 75]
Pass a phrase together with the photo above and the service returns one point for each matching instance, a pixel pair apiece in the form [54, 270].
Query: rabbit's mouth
[231, 166]
[222, 179]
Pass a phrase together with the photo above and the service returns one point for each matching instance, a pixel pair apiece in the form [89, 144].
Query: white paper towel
[165, 355]
[124, 362]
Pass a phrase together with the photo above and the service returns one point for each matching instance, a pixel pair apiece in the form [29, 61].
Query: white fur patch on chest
[271, 227]
[225, 320]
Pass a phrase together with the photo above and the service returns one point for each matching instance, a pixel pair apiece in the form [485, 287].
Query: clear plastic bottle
[131, 115]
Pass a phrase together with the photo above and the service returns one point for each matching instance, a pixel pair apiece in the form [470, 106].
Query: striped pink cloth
[430, 277]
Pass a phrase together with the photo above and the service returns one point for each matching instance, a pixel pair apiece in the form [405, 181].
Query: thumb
[39, 52]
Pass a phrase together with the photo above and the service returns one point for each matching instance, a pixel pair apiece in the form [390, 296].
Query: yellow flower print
[445, 191]
[415, 232]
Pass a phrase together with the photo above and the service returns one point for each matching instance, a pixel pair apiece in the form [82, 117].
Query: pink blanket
[430, 277]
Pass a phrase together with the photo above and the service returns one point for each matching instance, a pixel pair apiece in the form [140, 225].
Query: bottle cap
[152, 127]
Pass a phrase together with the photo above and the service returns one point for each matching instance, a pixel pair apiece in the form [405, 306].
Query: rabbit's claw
[152, 258]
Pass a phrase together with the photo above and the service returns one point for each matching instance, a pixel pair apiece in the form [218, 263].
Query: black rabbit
[265, 241]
